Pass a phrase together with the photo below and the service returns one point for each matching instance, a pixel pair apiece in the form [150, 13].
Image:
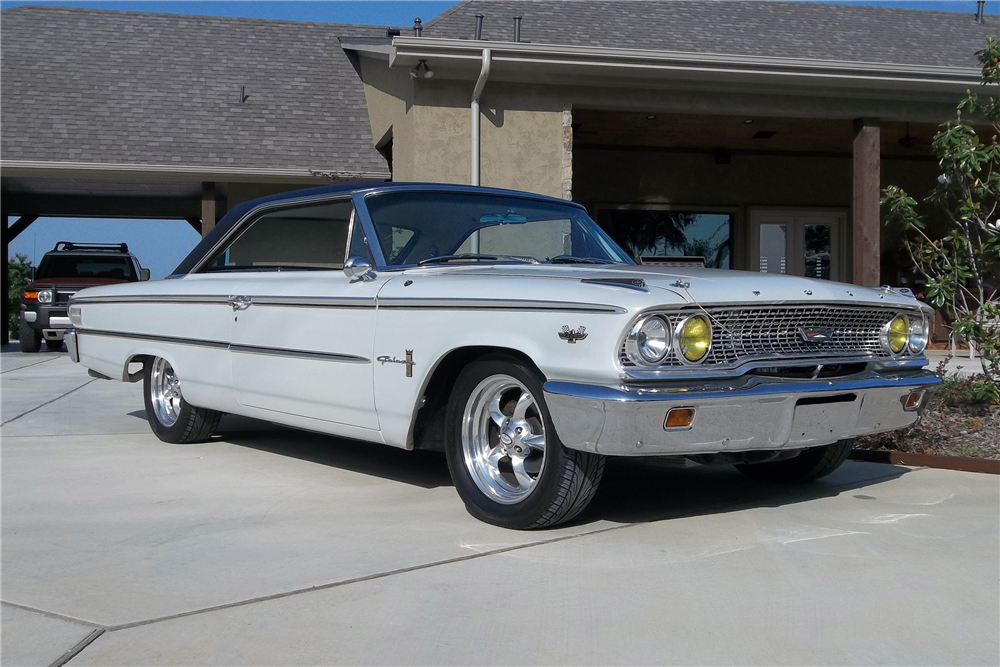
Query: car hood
[702, 286]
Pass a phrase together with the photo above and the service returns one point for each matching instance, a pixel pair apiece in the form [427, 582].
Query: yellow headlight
[898, 334]
[695, 338]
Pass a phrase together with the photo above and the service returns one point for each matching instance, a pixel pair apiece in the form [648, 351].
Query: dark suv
[64, 271]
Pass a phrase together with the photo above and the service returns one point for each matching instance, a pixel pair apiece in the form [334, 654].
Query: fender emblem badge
[408, 362]
[816, 334]
[572, 335]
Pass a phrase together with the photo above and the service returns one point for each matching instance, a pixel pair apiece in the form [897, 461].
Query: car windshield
[85, 266]
[429, 227]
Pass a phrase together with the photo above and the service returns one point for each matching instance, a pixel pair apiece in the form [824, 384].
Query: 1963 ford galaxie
[510, 331]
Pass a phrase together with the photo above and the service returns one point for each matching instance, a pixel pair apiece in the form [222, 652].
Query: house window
[672, 233]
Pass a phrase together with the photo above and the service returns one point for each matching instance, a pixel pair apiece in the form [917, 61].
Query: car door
[302, 330]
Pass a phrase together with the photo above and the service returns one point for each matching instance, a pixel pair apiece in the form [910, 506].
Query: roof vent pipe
[418, 27]
[478, 34]
[981, 12]
[517, 28]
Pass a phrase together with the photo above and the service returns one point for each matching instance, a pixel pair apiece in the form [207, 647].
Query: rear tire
[172, 418]
[811, 464]
[30, 340]
[503, 453]
[53, 345]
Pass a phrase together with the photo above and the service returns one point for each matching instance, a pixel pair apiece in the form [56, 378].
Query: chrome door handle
[240, 302]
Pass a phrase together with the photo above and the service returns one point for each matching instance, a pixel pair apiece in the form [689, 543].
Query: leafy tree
[962, 265]
[18, 275]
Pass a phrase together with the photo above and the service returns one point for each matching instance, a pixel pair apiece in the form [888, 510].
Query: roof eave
[201, 172]
[459, 58]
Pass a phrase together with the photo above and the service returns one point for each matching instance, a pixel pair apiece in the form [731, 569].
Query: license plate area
[824, 419]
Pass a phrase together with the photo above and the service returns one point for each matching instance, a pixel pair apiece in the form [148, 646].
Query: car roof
[238, 212]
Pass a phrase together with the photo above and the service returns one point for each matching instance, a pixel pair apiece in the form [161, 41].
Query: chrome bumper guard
[761, 414]
[72, 345]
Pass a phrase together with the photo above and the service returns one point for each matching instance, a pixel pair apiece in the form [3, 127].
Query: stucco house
[755, 135]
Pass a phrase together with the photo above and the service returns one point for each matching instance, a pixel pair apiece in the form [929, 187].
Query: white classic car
[510, 331]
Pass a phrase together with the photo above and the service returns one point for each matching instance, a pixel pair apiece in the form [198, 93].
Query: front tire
[171, 417]
[811, 464]
[29, 339]
[503, 453]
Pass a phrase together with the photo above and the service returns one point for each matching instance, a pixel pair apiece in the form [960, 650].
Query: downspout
[484, 74]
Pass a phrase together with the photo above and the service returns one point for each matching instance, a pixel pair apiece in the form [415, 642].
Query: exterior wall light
[422, 71]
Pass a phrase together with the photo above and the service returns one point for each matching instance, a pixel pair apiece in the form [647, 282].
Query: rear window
[83, 266]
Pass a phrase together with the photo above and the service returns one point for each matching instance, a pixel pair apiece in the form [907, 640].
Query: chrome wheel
[165, 392]
[503, 439]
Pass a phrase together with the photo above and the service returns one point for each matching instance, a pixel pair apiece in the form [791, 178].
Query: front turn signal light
[679, 418]
[31, 296]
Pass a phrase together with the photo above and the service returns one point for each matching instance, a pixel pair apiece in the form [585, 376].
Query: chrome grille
[748, 334]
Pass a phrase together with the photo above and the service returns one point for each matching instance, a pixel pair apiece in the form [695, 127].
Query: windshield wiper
[570, 259]
[474, 255]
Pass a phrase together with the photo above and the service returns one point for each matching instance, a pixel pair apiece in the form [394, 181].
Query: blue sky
[161, 244]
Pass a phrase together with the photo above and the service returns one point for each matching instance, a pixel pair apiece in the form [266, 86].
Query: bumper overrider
[761, 413]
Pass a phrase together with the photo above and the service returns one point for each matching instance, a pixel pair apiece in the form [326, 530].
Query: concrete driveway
[269, 546]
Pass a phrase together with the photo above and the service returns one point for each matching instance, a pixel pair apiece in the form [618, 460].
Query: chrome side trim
[498, 304]
[152, 298]
[217, 344]
[298, 354]
[315, 301]
[220, 345]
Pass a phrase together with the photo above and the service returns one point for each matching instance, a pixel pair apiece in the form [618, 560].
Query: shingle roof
[84, 85]
[747, 28]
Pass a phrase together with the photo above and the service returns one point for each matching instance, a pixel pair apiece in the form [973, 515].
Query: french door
[802, 243]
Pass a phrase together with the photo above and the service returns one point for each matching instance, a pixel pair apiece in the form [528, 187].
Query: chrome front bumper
[761, 414]
[72, 345]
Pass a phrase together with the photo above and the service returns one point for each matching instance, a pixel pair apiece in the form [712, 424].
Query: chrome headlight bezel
[679, 329]
[884, 336]
[919, 334]
[45, 296]
[636, 346]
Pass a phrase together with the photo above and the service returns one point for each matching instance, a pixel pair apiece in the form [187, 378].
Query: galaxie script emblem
[816, 334]
[572, 335]
[386, 359]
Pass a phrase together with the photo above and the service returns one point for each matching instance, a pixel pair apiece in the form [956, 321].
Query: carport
[111, 114]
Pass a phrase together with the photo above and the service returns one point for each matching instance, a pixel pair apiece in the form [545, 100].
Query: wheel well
[129, 375]
[428, 427]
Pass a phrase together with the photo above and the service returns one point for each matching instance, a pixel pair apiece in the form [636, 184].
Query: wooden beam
[19, 226]
[867, 168]
[207, 207]
[89, 206]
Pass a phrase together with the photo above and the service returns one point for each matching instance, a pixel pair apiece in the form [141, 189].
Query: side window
[312, 237]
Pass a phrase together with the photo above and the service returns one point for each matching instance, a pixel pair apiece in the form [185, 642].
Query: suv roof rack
[64, 246]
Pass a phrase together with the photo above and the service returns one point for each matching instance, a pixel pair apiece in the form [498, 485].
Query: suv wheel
[31, 340]
[171, 417]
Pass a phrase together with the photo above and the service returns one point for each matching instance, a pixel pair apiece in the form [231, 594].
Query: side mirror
[143, 274]
[359, 270]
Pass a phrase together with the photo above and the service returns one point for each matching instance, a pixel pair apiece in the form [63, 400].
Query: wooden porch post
[867, 181]
[207, 207]
[4, 337]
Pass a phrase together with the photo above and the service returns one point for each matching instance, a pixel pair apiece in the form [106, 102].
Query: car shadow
[633, 490]
[642, 490]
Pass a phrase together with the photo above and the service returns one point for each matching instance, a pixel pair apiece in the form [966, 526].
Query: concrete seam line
[362, 579]
[448, 561]
[37, 407]
[82, 644]
[11, 370]
[52, 614]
